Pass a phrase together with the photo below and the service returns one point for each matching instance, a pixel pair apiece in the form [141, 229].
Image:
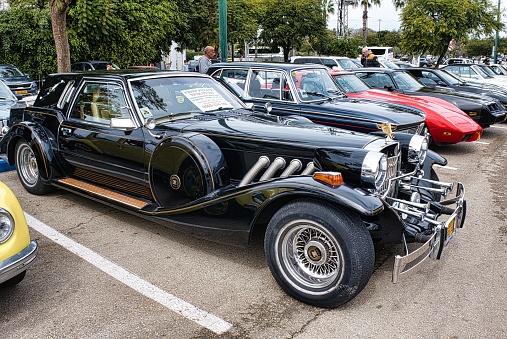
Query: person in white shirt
[205, 60]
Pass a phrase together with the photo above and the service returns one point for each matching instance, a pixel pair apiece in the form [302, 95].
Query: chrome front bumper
[19, 262]
[434, 246]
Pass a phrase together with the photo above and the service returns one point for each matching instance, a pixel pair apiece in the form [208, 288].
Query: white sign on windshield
[206, 99]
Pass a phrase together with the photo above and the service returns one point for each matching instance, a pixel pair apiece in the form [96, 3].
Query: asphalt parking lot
[102, 273]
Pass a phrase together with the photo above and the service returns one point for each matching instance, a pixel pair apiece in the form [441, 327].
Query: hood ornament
[388, 129]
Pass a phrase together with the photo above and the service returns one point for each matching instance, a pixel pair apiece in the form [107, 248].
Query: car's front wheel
[28, 170]
[318, 253]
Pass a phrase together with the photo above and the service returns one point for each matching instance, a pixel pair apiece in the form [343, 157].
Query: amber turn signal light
[329, 178]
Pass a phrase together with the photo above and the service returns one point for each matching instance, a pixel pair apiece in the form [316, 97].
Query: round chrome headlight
[417, 149]
[6, 225]
[374, 170]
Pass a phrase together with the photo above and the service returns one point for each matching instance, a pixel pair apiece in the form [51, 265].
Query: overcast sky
[385, 12]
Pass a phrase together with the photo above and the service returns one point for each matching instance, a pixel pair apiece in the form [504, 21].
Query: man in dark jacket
[368, 59]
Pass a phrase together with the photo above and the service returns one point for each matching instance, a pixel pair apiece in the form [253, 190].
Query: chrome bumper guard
[11, 267]
[433, 247]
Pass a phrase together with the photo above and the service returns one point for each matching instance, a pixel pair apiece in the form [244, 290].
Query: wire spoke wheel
[320, 254]
[310, 254]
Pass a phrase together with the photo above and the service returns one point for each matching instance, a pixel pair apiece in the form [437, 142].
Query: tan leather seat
[99, 106]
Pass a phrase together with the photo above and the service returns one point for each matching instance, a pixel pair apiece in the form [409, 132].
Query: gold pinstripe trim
[38, 143]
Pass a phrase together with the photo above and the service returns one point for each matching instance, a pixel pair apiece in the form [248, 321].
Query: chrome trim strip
[19, 262]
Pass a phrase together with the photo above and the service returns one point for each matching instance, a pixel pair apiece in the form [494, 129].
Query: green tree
[26, 40]
[126, 32]
[200, 22]
[429, 25]
[477, 47]
[289, 23]
[330, 44]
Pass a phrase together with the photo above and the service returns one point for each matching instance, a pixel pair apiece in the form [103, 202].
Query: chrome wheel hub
[310, 256]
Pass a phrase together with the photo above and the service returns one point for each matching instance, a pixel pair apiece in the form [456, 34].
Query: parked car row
[321, 176]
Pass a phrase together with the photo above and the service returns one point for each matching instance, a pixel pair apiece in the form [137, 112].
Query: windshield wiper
[316, 94]
[220, 109]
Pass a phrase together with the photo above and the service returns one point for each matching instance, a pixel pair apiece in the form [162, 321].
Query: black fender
[270, 197]
[41, 141]
[186, 167]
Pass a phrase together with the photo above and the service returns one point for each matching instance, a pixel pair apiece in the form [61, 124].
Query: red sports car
[446, 123]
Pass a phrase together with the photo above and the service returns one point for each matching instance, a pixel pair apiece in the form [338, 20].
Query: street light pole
[222, 28]
[378, 33]
[495, 48]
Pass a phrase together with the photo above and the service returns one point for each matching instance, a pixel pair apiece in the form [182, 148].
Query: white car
[475, 73]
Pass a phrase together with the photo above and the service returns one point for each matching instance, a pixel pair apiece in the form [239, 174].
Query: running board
[104, 192]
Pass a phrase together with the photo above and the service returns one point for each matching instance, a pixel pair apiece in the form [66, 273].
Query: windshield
[390, 64]
[481, 72]
[181, 97]
[314, 84]
[488, 71]
[10, 71]
[451, 78]
[350, 83]
[406, 81]
[346, 63]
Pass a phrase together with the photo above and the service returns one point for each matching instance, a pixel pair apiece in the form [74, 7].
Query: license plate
[23, 91]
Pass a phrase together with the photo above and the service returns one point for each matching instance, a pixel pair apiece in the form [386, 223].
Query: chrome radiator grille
[393, 165]
[392, 150]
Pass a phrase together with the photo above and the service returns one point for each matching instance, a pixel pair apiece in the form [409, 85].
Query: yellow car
[17, 252]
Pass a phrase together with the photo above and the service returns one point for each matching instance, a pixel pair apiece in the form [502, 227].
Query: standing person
[205, 60]
[486, 60]
[185, 65]
[368, 59]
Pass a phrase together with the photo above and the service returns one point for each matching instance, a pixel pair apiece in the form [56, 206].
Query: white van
[385, 53]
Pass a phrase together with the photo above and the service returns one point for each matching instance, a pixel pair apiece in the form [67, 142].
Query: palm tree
[366, 4]
[327, 8]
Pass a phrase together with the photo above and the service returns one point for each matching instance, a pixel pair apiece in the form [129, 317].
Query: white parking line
[482, 142]
[446, 167]
[168, 300]
[495, 126]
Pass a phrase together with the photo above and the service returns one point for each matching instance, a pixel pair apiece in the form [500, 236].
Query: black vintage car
[179, 149]
[308, 90]
[483, 109]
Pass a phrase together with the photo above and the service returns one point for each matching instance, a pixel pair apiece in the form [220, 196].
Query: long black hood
[459, 97]
[262, 129]
[369, 110]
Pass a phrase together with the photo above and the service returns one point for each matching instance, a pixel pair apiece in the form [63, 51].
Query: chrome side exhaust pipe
[263, 162]
[277, 164]
[294, 166]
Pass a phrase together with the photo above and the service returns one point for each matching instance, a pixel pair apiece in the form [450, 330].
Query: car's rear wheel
[319, 254]
[28, 170]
